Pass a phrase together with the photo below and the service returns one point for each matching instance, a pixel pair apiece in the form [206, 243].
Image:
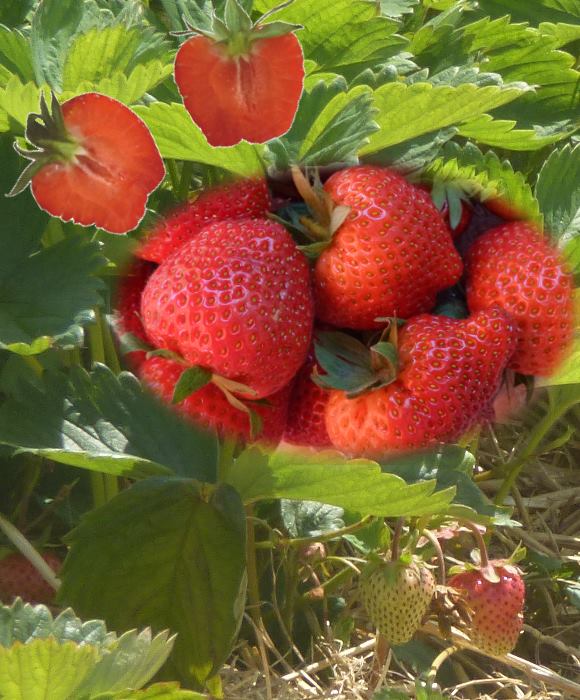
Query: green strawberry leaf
[190, 380]
[397, 8]
[179, 138]
[355, 485]
[558, 194]
[108, 424]
[32, 641]
[157, 691]
[331, 125]
[310, 518]
[484, 175]
[167, 554]
[409, 111]
[452, 466]
[14, 12]
[15, 56]
[539, 11]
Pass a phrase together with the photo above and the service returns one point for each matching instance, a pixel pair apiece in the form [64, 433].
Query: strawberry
[95, 162]
[129, 306]
[396, 596]
[450, 372]
[236, 300]
[241, 80]
[18, 577]
[306, 411]
[390, 257]
[514, 267]
[235, 200]
[464, 218]
[209, 406]
[497, 607]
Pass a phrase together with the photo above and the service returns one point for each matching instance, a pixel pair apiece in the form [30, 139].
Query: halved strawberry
[234, 200]
[95, 162]
[242, 80]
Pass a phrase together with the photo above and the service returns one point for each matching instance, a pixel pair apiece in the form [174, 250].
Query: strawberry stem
[486, 567]
[27, 550]
[395, 548]
[438, 661]
[440, 558]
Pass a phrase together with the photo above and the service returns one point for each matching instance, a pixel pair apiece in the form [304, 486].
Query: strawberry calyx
[52, 141]
[236, 31]
[350, 366]
[326, 217]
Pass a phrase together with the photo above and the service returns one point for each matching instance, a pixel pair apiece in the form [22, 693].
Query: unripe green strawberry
[396, 596]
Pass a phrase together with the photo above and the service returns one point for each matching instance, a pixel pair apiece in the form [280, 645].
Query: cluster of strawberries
[222, 286]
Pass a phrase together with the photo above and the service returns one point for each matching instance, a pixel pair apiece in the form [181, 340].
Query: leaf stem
[111, 357]
[438, 661]
[395, 544]
[304, 541]
[516, 465]
[26, 549]
[440, 558]
[252, 566]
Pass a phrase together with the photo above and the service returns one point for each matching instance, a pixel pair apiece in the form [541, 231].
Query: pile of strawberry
[343, 342]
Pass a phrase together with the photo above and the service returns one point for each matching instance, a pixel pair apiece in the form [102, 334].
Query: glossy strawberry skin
[209, 408]
[514, 267]
[391, 256]
[497, 608]
[19, 578]
[235, 200]
[450, 373]
[306, 424]
[237, 299]
[109, 180]
[252, 97]
[464, 220]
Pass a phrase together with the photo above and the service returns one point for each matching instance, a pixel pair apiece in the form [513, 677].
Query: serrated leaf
[561, 33]
[536, 12]
[449, 466]
[356, 485]
[310, 518]
[503, 133]
[341, 34]
[558, 193]
[17, 101]
[406, 112]
[179, 138]
[15, 56]
[131, 662]
[22, 622]
[106, 423]
[487, 174]
[164, 554]
[31, 671]
[48, 296]
[397, 8]
[100, 53]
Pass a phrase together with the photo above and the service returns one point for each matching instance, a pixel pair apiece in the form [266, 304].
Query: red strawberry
[451, 370]
[235, 200]
[237, 300]
[18, 577]
[241, 82]
[95, 162]
[306, 411]
[389, 258]
[209, 406]
[129, 306]
[497, 608]
[514, 267]
[464, 219]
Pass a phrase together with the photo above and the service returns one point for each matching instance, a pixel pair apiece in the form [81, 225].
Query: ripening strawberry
[209, 407]
[450, 372]
[396, 596]
[95, 162]
[306, 412]
[18, 577]
[390, 257]
[514, 267]
[236, 300]
[235, 200]
[497, 607]
[241, 80]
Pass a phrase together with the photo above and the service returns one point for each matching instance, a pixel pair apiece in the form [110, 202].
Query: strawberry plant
[288, 313]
